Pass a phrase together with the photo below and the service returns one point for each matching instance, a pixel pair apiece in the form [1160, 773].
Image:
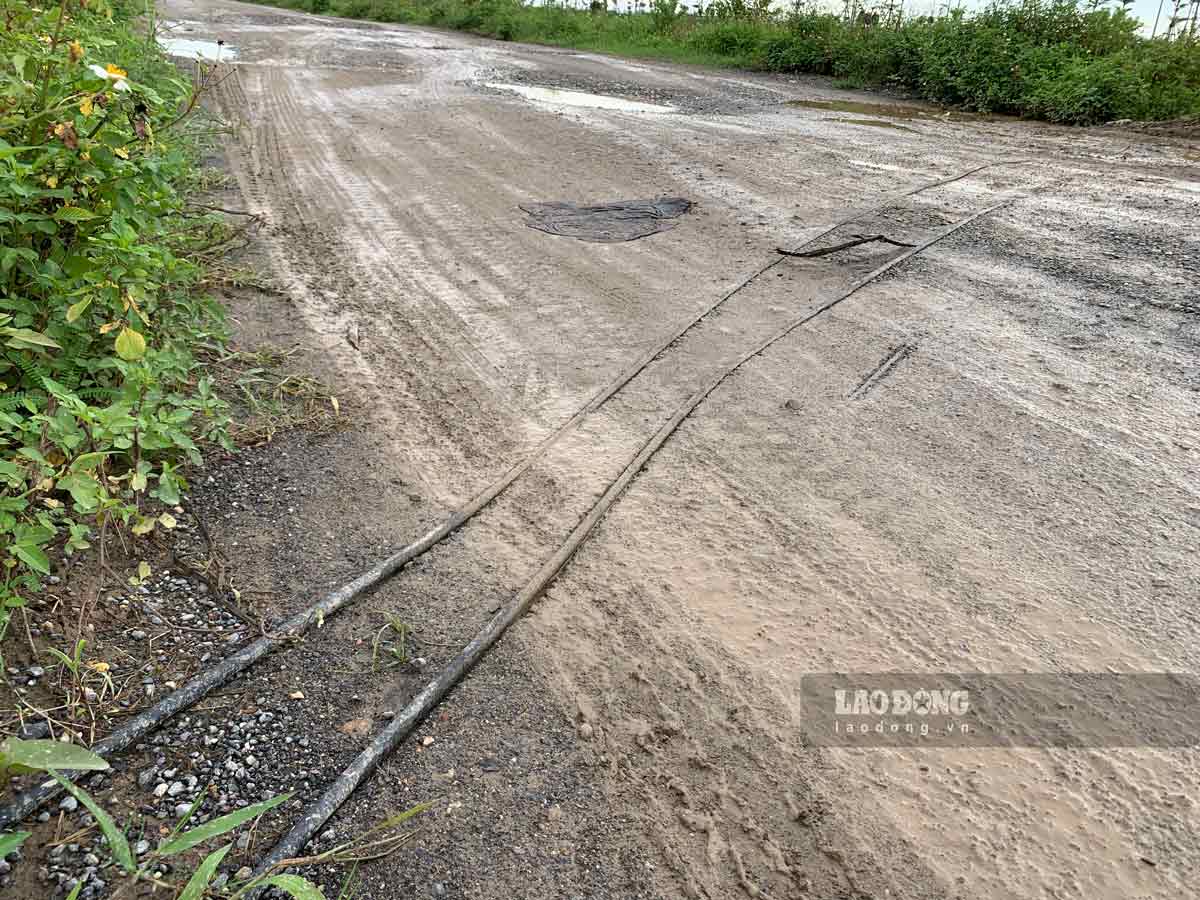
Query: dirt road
[985, 460]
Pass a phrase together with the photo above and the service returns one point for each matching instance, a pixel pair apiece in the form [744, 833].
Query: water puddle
[890, 110]
[208, 51]
[579, 98]
[875, 123]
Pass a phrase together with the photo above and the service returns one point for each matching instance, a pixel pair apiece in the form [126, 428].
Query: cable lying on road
[388, 739]
[859, 240]
[209, 680]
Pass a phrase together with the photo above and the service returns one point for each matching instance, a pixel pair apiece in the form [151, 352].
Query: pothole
[889, 110]
[560, 97]
[875, 123]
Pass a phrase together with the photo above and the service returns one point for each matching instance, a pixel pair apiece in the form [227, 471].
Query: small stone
[175, 789]
[181, 810]
[243, 874]
[138, 635]
[427, 740]
[161, 790]
[585, 731]
[36, 671]
[70, 804]
[141, 847]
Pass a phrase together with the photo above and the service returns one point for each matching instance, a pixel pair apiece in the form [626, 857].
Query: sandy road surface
[1018, 492]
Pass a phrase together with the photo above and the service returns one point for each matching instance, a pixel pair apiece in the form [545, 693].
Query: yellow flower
[87, 107]
[121, 152]
[115, 71]
[52, 182]
[85, 156]
[76, 51]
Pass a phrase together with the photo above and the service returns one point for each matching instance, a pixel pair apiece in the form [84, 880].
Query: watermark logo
[896, 709]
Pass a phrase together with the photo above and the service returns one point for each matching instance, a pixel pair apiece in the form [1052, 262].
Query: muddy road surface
[985, 459]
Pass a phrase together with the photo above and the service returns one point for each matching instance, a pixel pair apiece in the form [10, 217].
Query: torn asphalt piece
[621, 220]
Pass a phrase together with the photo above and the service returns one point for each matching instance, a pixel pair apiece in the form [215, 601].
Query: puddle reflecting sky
[579, 98]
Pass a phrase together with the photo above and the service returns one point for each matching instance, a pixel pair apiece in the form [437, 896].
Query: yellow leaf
[46, 484]
[87, 107]
[75, 49]
[100, 667]
[75, 310]
[121, 152]
[334, 403]
[167, 520]
[116, 71]
[130, 345]
[108, 326]
[143, 570]
[51, 502]
[52, 182]
[144, 526]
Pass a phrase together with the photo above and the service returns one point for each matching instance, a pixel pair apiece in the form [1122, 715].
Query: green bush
[100, 396]
[734, 39]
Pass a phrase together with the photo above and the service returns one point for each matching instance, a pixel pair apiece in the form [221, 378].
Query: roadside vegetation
[1058, 60]
[101, 396]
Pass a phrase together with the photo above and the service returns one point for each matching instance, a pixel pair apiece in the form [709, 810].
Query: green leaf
[10, 843]
[115, 837]
[32, 556]
[84, 489]
[73, 214]
[200, 879]
[217, 827]
[7, 151]
[293, 885]
[75, 310]
[87, 461]
[24, 338]
[130, 345]
[74, 895]
[47, 754]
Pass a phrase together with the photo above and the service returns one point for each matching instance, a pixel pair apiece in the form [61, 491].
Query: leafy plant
[54, 757]
[397, 648]
[101, 399]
